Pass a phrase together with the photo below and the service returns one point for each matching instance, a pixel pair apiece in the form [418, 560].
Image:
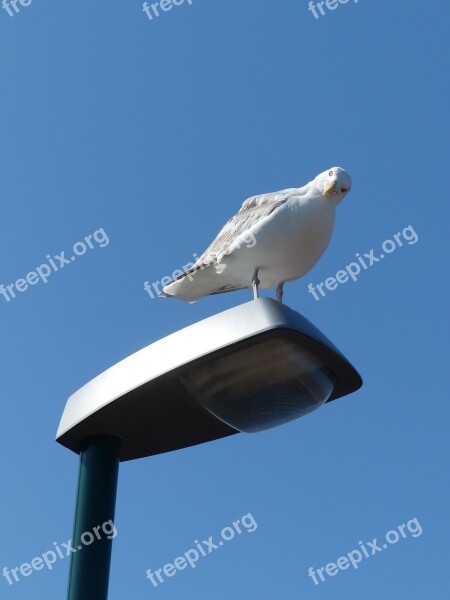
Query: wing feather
[252, 211]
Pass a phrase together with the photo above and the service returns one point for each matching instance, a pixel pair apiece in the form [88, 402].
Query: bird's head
[334, 183]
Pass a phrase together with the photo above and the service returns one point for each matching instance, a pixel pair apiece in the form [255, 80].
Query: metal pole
[94, 518]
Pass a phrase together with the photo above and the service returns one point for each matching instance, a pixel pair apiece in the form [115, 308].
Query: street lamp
[247, 369]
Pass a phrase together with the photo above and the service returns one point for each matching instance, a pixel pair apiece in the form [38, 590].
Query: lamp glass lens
[262, 386]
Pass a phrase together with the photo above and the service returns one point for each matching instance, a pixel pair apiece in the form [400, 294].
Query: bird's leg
[280, 292]
[255, 283]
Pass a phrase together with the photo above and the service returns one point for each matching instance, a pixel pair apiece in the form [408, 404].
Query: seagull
[273, 239]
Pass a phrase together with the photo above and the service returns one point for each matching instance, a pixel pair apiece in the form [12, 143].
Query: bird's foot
[255, 284]
[280, 292]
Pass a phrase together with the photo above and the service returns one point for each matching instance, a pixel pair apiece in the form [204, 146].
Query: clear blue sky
[156, 131]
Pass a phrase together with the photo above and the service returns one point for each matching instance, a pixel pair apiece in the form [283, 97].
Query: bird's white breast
[288, 242]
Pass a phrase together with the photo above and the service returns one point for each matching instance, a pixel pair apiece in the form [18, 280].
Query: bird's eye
[330, 173]
[343, 190]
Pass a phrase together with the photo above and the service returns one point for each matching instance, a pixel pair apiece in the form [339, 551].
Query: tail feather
[196, 284]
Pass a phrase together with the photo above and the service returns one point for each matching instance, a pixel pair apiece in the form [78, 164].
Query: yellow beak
[330, 187]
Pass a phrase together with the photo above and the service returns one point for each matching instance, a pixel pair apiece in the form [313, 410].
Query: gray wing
[252, 211]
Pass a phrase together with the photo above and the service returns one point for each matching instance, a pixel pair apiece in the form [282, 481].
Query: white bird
[274, 238]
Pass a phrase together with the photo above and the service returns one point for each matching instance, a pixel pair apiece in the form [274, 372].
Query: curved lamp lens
[274, 383]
